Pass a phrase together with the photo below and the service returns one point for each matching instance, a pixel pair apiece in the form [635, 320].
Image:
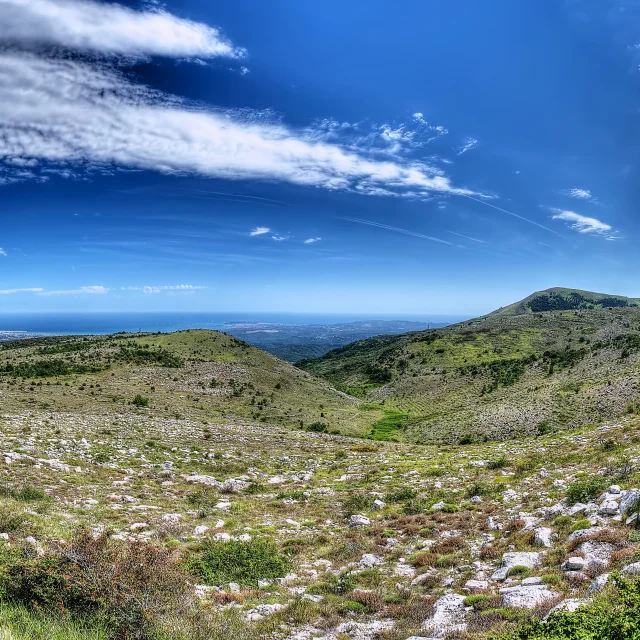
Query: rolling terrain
[196, 374]
[188, 486]
[515, 371]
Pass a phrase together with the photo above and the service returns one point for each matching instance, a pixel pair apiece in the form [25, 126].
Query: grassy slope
[250, 385]
[490, 376]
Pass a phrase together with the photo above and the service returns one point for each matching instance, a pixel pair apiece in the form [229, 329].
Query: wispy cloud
[73, 112]
[106, 28]
[511, 213]
[467, 145]
[91, 290]
[460, 235]
[181, 288]
[580, 194]
[3, 252]
[6, 292]
[312, 240]
[407, 232]
[259, 231]
[585, 224]
[279, 238]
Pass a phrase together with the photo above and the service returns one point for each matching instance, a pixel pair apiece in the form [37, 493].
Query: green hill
[512, 372]
[559, 299]
[201, 375]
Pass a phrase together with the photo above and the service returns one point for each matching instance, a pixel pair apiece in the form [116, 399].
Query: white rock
[529, 559]
[628, 499]
[378, 505]
[569, 605]
[438, 506]
[543, 537]
[574, 564]
[526, 597]
[473, 586]
[608, 508]
[632, 569]
[263, 610]
[369, 560]
[448, 616]
[359, 521]
[200, 530]
[598, 584]
[614, 489]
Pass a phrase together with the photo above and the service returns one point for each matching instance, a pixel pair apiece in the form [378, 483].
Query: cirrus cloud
[68, 111]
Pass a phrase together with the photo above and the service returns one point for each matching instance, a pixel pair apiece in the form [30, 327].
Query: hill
[501, 375]
[197, 374]
[559, 299]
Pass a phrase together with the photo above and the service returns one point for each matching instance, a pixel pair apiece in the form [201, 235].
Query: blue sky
[361, 157]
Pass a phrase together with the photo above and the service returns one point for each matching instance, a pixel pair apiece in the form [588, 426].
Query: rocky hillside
[200, 375]
[139, 525]
[501, 375]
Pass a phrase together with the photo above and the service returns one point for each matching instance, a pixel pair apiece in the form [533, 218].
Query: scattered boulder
[527, 596]
[543, 537]
[359, 521]
[449, 611]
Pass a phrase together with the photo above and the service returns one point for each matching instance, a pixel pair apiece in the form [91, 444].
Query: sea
[79, 323]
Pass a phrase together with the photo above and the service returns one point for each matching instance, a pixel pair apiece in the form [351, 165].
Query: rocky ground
[383, 541]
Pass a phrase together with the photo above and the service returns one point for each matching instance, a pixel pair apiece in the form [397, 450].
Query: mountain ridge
[500, 375]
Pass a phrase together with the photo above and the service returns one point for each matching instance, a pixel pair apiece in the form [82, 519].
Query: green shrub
[140, 401]
[498, 463]
[519, 571]
[317, 427]
[580, 524]
[356, 503]
[406, 493]
[239, 561]
[614, 616]
[586, 490]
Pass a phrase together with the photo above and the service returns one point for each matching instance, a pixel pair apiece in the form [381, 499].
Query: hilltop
[501, 375]
[560, 299]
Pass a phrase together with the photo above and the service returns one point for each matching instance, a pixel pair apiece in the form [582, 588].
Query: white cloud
[312, 240]
[279, 238]
[181, 288]
[106, 28]
[3, 252]
[72, 112]
[467, 145]
[91, 290]
[259, 231]
[585, 224]
[580, 194]
[6, 292]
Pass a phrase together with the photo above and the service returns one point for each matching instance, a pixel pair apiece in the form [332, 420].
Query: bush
[406, 493]
[615, 616]
[140, 401]
[586, 490]
[242, 562]
[317, 427]
[131, 587]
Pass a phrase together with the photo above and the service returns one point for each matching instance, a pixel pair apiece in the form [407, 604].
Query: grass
[388, 427]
